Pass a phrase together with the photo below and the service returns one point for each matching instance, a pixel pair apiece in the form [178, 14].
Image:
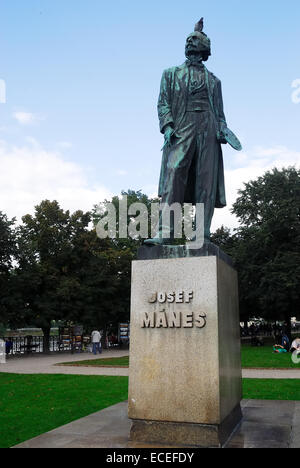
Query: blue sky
[82, 80]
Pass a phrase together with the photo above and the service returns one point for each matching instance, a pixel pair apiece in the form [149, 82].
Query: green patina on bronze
[191, 117]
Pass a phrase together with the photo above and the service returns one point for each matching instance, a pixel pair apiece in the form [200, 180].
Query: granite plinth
[155, 252]
[185, 374]
[186, 435]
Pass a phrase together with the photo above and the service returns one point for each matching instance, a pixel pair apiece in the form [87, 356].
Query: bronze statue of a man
[192, 119]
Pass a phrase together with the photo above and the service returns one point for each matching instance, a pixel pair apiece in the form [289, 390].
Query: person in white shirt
[296, 345]
[96, 342]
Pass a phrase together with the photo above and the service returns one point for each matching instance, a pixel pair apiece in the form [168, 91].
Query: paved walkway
[271, 373]
[266, 424]
[40, 364]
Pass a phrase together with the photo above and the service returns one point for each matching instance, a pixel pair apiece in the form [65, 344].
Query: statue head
[197, 43]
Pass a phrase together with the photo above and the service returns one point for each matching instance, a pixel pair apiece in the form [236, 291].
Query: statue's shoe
[157, 241]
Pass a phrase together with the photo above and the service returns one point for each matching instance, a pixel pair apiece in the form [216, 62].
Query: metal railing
[20, 345]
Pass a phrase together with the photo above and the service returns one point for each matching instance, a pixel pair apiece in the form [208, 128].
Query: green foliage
[46, 285]
[63, 272]
[104, 273]
[266, 248]
[7, 252]
[99, 212]
[7, 242]
[31, 405]
[66, 273]
[224, 239]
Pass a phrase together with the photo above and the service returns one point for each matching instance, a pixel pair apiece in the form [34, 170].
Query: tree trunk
[46, 332]
[103, 339]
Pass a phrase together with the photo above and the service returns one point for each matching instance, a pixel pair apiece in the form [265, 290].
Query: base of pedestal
[184, 434]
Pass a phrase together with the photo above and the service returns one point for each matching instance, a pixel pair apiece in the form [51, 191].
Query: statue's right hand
[169, 132]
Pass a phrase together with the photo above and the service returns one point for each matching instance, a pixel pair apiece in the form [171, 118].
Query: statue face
[193, 44]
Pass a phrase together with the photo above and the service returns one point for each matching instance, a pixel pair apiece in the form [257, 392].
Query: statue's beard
[193, 54]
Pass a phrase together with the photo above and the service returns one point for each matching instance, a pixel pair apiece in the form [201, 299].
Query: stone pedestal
[185, 370]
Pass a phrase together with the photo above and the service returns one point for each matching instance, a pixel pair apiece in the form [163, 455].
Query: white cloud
[245, 166]
[2, 91]
[121, 172]
[250, 166]
[30, 174]
[65, 145]
[27, 118]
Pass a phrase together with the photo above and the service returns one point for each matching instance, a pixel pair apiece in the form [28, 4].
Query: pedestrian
[96, 342]
[8, 346]
[285, 342]
[296, 345]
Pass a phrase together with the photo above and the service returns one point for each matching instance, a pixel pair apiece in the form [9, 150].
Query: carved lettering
[152, 298]
[179, 297]
[187, 320]
[172, 319]
[171, 296]
[148, 320]
[162, 317]
[161, 297]
[161, 321]
[200, 320]
[189, 296]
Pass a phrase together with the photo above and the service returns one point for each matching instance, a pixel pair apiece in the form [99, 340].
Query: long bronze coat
[172, 107]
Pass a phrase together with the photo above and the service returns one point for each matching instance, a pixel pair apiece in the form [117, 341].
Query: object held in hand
[232, 139]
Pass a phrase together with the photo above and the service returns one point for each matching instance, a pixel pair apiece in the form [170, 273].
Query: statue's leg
[206, 168]
[179, 159]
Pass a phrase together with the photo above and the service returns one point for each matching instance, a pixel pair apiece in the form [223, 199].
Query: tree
[224, 238]
[46, 243]
[103, 272]
[66, 273]
[266, 248]
[99, 212]
[7, 252]
[109, 293]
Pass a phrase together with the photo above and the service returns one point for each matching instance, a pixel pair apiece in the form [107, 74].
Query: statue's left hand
[221, 133]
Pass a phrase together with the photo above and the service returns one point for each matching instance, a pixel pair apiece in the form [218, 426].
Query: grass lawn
[261, 357]
[33, 404]
[106, 362]
[264, 357]
[269, 389]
